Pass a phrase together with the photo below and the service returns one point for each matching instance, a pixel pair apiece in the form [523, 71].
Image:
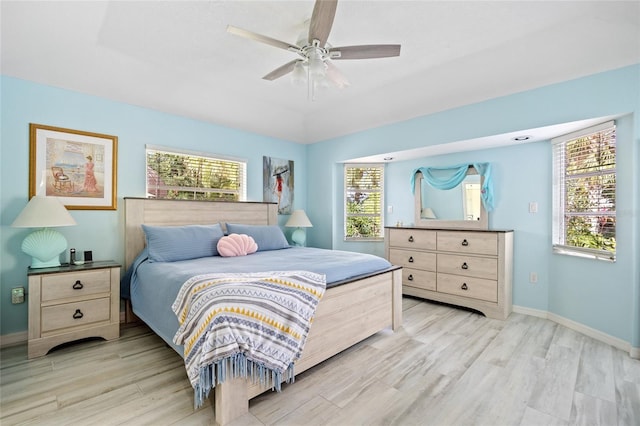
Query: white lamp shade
[298, 219]
[427, 213]
[299, 74]
[43, 212]
[44, 245]
[317, 68]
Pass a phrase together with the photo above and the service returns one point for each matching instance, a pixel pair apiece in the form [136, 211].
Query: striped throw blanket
[250, 325]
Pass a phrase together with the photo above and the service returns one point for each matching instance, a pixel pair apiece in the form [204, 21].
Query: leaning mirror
[459, 206]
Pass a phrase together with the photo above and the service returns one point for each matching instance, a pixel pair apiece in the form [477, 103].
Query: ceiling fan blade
[280, 71]
[365, 52]
[263, 39]
[336, 76]
[322, 20]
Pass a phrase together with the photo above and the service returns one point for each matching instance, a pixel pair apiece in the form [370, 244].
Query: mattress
[153, 286]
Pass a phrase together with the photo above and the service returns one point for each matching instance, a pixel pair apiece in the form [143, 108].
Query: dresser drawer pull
[78, 314]
[410, 277]
[465, 266]
[78, 285]
[465, 242]
[410, 238]
[464, 286]
[410, 259]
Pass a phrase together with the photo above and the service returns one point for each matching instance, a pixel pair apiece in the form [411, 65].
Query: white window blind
[363, 201]
[584, 192]
[179, 174]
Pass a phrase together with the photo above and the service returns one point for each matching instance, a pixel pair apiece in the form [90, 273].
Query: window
[363, 201]
[584, 192]
[183, 175]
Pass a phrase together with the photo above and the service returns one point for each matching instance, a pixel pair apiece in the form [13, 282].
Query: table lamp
[44, 245]
[299, 220]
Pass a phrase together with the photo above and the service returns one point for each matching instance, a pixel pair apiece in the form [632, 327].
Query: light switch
[389, 209]
[533, 207]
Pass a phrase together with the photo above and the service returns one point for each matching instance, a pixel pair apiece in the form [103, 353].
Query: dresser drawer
[413, 239]
[75, 284]
[413, 259]
[468, 242]
[471, 266]
[86, 312]
[475, 288]
[419, 278]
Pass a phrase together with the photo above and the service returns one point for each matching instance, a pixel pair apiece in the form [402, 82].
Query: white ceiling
[177, 57]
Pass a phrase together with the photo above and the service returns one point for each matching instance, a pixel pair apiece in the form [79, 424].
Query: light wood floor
[446, 366]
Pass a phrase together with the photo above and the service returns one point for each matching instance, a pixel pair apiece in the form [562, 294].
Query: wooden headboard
[186, 212]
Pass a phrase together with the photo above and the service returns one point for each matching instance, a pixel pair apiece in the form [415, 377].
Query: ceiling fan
[314, 63]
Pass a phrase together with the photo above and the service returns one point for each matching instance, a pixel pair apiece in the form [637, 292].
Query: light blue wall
[102, 231]
[604, 296]
[601, 295]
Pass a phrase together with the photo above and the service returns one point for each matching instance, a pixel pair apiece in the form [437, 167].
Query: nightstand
[72, 302]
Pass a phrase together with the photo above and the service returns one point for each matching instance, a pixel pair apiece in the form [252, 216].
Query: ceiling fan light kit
[314, 66]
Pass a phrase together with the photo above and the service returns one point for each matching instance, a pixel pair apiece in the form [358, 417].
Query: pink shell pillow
[236, 245]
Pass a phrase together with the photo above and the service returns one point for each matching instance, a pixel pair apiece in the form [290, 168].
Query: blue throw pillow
[172, 243]
[267, 237]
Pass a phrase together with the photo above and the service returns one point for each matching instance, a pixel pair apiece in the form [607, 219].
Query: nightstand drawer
[468, 287]
[412, 239]
[74, 314]
[413, 259]
[471, 266]
[75, 284]
[468, 242]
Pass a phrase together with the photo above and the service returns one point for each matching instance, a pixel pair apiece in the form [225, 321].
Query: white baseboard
[13, 339]
[634, 352]
[531, 312]
[581, 328]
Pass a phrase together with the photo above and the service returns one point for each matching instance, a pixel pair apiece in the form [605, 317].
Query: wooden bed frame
[346, 315]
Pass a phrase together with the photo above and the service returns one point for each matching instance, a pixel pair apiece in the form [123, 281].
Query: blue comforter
[153, 286]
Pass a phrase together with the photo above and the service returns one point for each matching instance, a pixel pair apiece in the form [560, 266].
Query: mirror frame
[483, 223]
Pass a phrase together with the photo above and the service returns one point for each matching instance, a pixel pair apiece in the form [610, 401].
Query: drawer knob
[464, 286]
[465, 266]
[78, 314]
[465, 242]
[410, 259]
[410, 238]
[78, 285]
[410, 277]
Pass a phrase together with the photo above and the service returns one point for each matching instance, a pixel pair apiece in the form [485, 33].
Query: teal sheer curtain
[457, 175]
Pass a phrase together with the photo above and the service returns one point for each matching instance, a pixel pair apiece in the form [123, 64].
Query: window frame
[559, 179]
[380, 190]
[241, 192]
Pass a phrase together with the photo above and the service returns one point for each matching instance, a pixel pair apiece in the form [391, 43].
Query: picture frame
[78, 167]
[278, 183]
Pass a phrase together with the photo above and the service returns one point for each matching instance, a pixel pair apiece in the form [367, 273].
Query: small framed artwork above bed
[171, 248]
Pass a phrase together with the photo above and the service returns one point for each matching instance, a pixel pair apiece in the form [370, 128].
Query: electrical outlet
[389, 209]
[17, 295]
[533, 277]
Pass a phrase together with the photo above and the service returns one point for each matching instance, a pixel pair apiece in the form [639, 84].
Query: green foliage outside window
[180, 176]
[590, 191]
[363, 202]
[359, 223]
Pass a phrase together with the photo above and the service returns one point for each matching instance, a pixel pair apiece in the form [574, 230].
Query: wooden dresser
[460, 267]
[68, 303]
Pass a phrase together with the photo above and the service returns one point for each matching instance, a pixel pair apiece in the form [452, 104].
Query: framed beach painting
[80, 168]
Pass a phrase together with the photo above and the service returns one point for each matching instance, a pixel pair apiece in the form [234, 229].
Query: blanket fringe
[238, 366]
